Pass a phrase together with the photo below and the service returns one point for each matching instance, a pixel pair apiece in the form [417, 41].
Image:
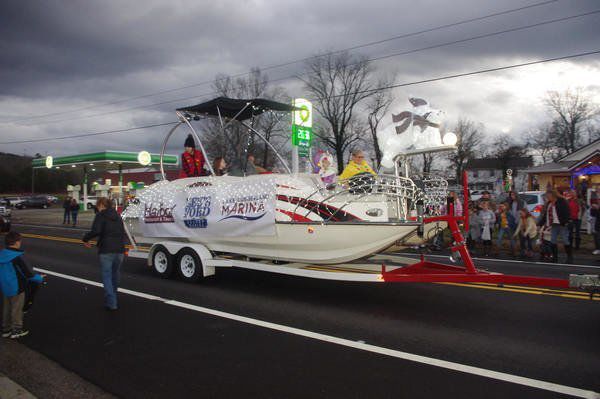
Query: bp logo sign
[302, 126]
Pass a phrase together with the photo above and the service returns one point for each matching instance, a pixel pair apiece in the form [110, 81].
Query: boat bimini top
[227, 110]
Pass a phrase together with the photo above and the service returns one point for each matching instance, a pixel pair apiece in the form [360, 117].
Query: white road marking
[496, 375]
[532, 263]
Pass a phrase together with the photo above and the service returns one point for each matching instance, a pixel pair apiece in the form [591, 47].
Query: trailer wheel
[162, 262]
[189, 265]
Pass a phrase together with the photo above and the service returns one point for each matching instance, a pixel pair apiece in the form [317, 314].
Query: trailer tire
[162, 262]
[189, 265]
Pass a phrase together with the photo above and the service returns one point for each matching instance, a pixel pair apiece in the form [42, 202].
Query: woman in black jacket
[110, 232]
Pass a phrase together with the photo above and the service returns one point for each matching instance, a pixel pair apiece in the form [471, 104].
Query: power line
[274, 66]
[358, 92]
[458, 75]
[369, 60]
[90, 134]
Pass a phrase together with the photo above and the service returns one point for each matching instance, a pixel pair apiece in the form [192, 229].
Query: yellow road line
[71, 240]
[55, 238]
[546, 290]
[528, 290]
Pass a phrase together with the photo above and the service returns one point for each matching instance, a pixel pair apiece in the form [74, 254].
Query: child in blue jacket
[15, 275]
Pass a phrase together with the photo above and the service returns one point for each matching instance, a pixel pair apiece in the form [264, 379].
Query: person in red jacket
[192, 160]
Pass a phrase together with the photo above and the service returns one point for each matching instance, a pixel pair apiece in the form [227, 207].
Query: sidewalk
[25, 373]
[11, 390]
[50, 217]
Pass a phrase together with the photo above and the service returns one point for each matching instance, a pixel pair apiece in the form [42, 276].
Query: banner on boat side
[203, 209]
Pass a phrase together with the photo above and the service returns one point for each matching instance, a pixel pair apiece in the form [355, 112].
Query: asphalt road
[172, 342]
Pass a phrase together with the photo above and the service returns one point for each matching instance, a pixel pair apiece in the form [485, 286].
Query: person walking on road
[74, 208]
[15, 275]
[109, 230]
[67, 210]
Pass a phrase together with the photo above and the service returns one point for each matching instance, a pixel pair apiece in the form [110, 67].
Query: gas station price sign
[302, 126]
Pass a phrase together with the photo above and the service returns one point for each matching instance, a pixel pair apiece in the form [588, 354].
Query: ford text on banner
[210, 208]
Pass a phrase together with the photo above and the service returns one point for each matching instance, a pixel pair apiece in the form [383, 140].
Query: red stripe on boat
[295, 217]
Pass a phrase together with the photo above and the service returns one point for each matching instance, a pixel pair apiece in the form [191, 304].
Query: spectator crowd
[508, 226]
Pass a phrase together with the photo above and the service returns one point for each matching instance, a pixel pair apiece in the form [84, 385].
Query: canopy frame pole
[212, 171]
[269, 144]
[164, 147]
[232, 119]
[220, 117]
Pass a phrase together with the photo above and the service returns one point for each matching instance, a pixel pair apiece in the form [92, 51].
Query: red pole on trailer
[466, 200]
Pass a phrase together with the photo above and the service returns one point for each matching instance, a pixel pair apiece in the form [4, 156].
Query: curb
[11, 390]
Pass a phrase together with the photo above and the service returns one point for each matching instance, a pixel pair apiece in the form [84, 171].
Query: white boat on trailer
[287, 217]
[293, 224]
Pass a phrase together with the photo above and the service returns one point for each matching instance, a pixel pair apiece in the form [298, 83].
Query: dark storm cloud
[60, 55]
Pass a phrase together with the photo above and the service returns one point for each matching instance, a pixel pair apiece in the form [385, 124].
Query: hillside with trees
[16, 174]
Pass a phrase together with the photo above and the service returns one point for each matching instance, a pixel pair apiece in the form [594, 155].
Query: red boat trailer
[426, 271]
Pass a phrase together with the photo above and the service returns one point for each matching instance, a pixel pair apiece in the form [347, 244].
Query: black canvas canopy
[230, 107]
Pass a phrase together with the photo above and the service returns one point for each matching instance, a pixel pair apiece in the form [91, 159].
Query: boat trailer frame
[426, 271]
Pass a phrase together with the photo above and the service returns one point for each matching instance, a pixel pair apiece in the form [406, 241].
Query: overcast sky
[59, 57]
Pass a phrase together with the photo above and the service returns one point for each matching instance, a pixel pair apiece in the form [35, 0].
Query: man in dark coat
[67, 208]
[555, 216]
[110, 232]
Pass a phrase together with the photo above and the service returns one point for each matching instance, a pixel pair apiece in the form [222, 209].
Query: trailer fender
[174, 247]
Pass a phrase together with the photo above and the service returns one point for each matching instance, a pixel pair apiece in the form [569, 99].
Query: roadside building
[490, 173]
[579, 170]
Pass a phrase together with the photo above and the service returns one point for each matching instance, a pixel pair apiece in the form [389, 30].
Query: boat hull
[304, 242]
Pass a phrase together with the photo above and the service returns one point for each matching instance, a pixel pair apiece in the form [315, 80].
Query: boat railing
[403, 195]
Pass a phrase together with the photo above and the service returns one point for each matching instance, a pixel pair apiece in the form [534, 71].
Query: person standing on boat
[192, 160]
[356, 165]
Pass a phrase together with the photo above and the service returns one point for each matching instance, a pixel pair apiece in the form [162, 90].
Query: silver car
[534, 200]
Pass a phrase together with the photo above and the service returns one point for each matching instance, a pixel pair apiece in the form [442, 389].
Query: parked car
[474, 195]
[13, 201]
[5, 211]
[535, 201]
[39, 201]
[4, 223]
[52, 199]
[91, 202]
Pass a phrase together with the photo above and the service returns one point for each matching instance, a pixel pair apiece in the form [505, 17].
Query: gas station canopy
[107, 160]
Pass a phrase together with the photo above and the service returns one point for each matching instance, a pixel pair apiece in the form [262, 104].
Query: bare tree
[233, 142]
[377, 107]
[506, 150]
[470, 136]
[339, 83]
[540, 142]
[572, 110]
[428, 160]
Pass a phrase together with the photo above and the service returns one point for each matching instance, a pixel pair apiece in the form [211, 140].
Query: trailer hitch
[586, 282]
